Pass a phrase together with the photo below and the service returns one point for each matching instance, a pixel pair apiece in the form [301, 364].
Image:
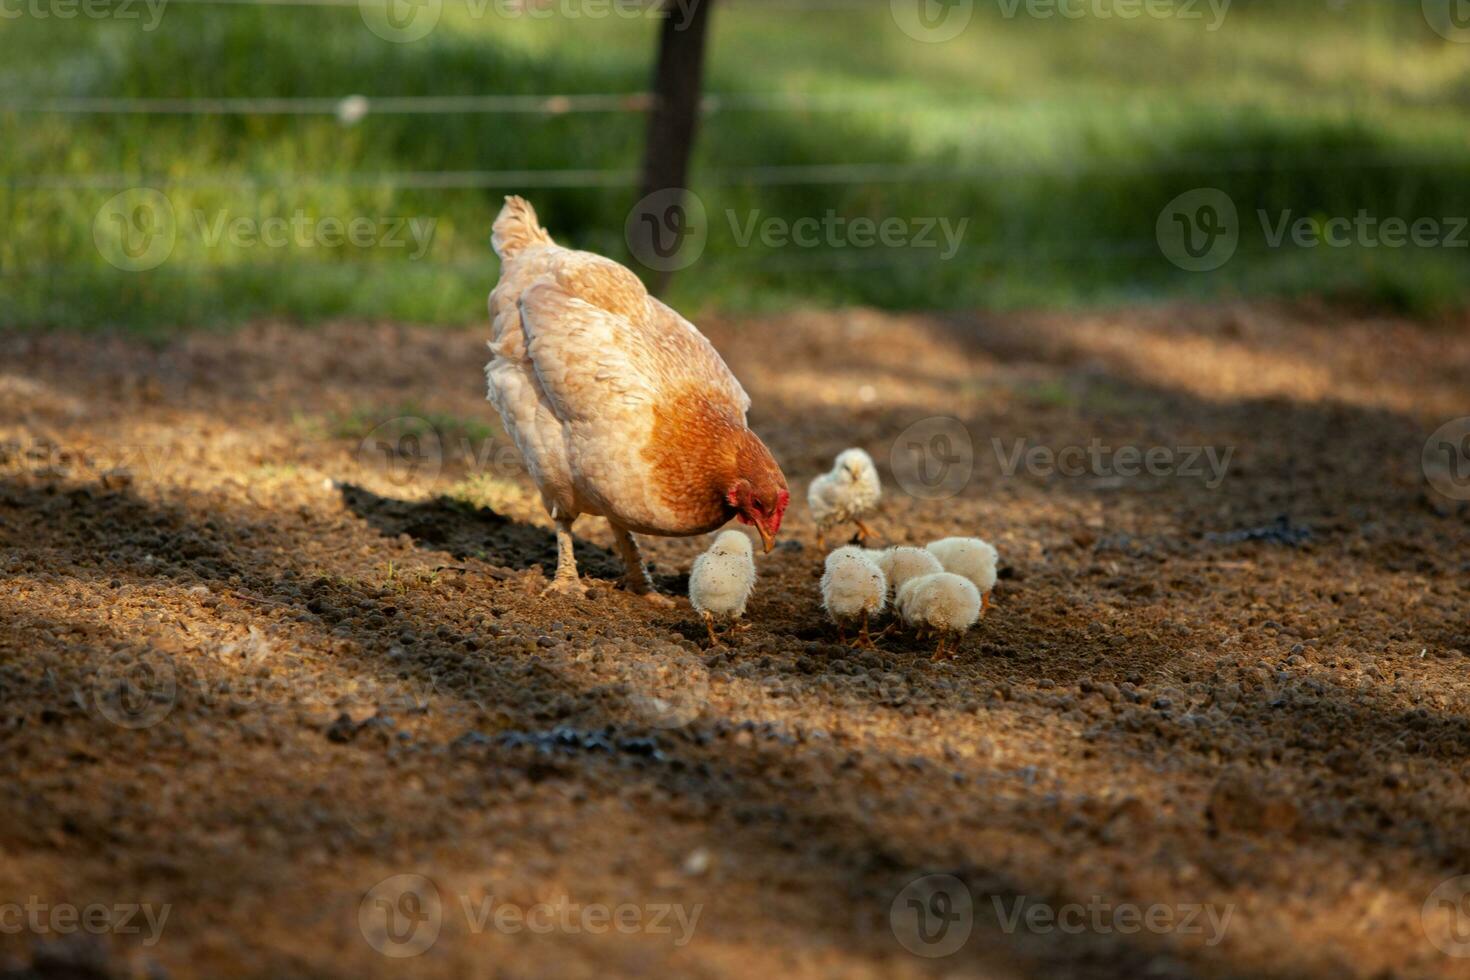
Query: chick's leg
[635, 576]
[939, 651]
[566, 581]
[709, 624]
[864, 532]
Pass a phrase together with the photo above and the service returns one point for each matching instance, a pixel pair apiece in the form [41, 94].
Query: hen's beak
[767, 538]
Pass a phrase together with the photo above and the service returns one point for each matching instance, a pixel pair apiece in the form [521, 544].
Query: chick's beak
[767, 538]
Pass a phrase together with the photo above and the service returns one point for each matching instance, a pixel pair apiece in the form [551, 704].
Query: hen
[619, 406]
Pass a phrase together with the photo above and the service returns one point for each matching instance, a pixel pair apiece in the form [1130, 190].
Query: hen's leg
[635, 576]
[566, 581]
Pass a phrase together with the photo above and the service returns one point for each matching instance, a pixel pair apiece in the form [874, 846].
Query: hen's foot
[566, 585]
[641, 586]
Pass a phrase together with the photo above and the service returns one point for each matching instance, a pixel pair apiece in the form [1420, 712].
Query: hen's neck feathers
[694, 454]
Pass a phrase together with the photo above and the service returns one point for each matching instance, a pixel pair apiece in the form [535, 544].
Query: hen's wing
[598, 341]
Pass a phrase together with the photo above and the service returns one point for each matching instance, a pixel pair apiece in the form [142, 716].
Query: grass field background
[1059, 140]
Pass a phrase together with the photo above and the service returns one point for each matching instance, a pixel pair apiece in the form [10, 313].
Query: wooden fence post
[678, 83]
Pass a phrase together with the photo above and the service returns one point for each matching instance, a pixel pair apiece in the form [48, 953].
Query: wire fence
[352, 108]
[968, 257]
[759, 176]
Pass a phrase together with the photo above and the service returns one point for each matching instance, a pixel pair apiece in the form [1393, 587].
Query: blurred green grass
[1069, 136]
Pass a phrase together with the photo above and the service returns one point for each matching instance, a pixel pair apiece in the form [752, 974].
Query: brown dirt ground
[1156, 712]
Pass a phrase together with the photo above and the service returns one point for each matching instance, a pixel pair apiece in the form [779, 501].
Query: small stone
[343, 729]
[697, 863]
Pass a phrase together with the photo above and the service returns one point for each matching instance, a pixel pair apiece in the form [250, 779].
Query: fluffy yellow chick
[853, 588]
[943, 602]
[848, 493]
[973, 558]
[902, 562]
[722, 579]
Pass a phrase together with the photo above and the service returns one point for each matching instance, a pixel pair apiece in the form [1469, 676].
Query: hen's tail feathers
[517, 228]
